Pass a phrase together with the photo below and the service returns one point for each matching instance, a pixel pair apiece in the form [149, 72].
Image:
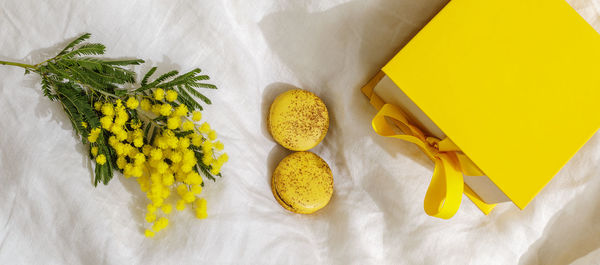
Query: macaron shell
[298, 120]
[302, 183]
[281, 202]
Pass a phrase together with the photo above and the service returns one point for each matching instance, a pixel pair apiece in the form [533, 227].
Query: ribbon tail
[445, 191]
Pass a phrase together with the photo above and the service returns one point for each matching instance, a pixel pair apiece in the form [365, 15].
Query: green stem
[103, 93]
[36, 65]
[150, 120]
[22, 65]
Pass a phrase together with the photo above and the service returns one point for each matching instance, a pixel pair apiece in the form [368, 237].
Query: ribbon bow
[444, 193]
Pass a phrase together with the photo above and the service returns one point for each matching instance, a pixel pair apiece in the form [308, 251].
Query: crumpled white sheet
[253, 50]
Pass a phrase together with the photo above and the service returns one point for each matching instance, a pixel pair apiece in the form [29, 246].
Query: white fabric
[253, 50]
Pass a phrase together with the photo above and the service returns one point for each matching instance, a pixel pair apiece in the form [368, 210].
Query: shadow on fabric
[312, 52]
[308, 44]
[568, 236]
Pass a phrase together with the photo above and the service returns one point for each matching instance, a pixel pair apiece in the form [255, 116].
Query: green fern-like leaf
[203, 168]
[186, 99]
[74, 116]
[125, 62]
[75, 42]
[164, 77]
[147, 76]
[198, 94]
[81, 104]
[86, 49]
[202, 85]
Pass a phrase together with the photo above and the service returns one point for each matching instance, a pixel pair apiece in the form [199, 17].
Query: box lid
[514, 83]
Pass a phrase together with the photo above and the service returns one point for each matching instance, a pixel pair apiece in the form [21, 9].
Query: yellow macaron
[302, 183]
[298, 120]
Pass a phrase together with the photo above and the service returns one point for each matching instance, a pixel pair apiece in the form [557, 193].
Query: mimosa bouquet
[149, 131]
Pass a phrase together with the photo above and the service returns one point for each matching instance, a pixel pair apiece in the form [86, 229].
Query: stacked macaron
[302, 182]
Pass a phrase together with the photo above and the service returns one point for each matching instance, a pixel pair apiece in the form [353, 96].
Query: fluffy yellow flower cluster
[146, 130]
[168, 163]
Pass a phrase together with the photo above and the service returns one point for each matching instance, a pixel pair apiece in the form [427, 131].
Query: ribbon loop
[411, 133]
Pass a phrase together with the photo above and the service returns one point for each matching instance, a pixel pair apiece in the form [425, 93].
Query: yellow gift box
[500, 94]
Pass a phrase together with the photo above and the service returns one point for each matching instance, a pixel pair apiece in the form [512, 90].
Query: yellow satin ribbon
[444, 194]
[445, 191]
